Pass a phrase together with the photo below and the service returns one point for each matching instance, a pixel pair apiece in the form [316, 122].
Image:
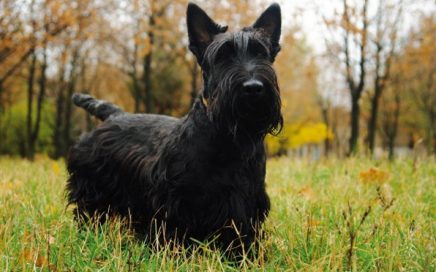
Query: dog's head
[240, 84]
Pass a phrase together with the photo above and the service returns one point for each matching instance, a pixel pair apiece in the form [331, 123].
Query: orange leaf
[374, 176]
[36, 258]
[307, 193]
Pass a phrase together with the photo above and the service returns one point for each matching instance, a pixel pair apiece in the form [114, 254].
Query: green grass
[317, 210]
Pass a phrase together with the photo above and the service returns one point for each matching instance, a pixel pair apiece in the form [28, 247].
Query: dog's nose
[252, 86]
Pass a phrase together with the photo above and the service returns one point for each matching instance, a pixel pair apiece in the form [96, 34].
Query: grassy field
[355, 215]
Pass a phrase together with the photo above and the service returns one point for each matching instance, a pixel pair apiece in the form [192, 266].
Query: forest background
[355, 76]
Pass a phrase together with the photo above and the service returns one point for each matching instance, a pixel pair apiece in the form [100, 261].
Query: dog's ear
[201, 30]
[271, 23]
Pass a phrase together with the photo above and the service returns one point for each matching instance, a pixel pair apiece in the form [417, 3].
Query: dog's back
[124, 144]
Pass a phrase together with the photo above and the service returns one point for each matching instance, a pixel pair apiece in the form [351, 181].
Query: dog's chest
[211, 196]
[228, 180]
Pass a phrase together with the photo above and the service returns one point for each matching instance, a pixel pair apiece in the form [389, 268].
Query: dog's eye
[224, 52]
[257, 50]
[261, 55]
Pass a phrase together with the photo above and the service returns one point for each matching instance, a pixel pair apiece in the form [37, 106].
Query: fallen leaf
[307, 193]
[313, 223]
[374, 176]
[56, 169]
[35, 258]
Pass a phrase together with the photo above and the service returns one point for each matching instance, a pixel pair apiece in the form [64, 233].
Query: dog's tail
[99, 108]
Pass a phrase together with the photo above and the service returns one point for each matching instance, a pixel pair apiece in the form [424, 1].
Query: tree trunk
[325, 117]
[378, 88]
[134, 76]
[354, 119]
[194, 87]
[1, 97]
[355, 87]
[394, 131]
[136, 92]
[67, 119]
[60, 105]
[148, 97]
[372, 122]
[391, 150]
[41, 95]
[432, 131]
[68, 104]
[30, 83]
[60, 102]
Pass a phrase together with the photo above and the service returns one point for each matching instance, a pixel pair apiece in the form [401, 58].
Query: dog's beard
[259, 116]
[244, 116]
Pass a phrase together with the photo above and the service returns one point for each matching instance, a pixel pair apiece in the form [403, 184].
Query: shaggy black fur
[200, 176]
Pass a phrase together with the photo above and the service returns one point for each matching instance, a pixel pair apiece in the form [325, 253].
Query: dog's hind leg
[99, 108]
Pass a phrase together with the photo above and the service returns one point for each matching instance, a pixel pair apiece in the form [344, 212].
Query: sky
[308, 15]
[311, 12]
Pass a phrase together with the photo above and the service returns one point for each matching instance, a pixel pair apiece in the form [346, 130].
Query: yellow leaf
[374, 176]
[56, 169]
[9, 187]
[313, 223]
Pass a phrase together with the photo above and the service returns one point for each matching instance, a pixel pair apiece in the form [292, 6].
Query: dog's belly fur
[130, 167]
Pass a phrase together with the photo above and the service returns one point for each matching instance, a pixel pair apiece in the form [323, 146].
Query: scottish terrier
[199, 177]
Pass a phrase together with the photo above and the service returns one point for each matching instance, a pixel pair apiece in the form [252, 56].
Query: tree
[352, 24]
[150, 31]
[44, 26]
[420, 57]
[73, 45]
[13, 49]
[390, 114]
[384, 40]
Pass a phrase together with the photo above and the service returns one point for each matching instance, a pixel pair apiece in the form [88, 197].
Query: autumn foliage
[369, 86]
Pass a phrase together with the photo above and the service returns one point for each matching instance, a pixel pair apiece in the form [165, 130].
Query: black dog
[201, 176]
